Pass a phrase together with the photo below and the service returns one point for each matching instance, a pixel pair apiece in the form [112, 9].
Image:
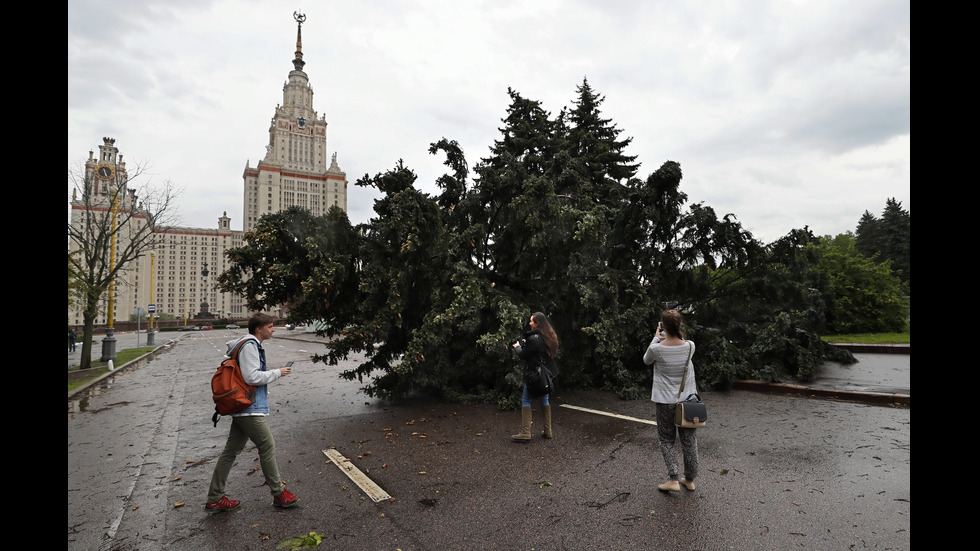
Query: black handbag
[539, 381]
[691, 413]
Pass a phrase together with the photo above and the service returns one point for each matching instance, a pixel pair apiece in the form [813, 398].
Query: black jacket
[534, 353]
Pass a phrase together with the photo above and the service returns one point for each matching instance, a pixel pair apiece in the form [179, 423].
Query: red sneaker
[285, 499]
[223, 504]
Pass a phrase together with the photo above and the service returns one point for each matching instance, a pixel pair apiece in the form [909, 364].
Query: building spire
[298, 62]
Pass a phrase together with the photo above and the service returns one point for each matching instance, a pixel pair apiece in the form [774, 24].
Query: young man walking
[249, 424]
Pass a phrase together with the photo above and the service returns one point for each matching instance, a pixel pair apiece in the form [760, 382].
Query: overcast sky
[785, 113]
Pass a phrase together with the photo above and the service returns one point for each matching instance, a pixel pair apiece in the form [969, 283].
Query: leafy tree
[896, 239]
[664, 257]
[889, 237]
[765, 316]
[402, 277]
[435, 288]
[866, 296]
[303, 262]
[592, 141]
[111, 216]
[868, 235]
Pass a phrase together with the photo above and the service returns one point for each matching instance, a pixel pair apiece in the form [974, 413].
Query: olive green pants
[243, 429]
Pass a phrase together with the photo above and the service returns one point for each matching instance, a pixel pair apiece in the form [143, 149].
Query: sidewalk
[883, 375]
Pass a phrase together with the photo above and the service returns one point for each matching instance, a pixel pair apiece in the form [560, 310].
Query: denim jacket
[253, 374]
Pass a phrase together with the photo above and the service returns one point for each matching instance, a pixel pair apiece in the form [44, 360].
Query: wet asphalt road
[777, 472]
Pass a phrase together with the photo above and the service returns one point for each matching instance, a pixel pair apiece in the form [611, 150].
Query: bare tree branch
[113, 214]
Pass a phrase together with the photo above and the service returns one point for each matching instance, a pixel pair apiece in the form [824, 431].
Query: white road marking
[366, 485]
[606, 413]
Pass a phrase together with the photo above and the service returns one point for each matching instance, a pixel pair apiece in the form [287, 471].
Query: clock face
[301, 122]
[105, 172]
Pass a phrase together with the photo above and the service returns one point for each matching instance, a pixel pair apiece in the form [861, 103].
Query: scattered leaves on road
[309, 541]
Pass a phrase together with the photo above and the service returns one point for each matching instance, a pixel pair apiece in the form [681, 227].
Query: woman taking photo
[538, 348]
[671, 357]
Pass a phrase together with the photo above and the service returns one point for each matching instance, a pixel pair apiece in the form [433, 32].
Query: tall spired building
[295, 170]
[185, 262]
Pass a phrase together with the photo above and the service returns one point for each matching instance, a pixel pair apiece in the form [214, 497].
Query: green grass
[77, 378]
[872, 338]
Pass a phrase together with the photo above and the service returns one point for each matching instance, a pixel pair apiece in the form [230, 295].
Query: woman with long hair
[671, 356]
[538, 348]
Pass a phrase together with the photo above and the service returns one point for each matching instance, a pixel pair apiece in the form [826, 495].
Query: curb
[880, 348]
[870, 398]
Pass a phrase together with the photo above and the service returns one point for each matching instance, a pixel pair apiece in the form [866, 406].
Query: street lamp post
[109, 342]
[153, 300]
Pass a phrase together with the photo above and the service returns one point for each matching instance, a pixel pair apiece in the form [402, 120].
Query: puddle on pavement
[79, 404]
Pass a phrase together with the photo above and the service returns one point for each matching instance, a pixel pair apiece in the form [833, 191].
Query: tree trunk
[88, 316]
[86, 360]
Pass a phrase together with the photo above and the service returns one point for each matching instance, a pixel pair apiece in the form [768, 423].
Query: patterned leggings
[667, 433]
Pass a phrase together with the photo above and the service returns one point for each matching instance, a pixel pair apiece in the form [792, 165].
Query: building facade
[179, 274]
[295, 170]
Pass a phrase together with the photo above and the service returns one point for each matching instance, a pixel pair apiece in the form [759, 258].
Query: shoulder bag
[691, 413]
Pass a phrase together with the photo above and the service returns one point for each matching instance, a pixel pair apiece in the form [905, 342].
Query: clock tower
[105, 171]
[295, 170]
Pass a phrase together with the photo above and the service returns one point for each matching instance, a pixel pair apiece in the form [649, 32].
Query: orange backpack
[229, 390]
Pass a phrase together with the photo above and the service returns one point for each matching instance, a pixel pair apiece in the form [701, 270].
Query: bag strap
[690, 350]
[234, 355]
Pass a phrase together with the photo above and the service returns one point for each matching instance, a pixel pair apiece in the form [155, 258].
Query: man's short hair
[259, 320]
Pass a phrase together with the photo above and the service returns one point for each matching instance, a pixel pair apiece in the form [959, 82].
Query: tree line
[434, 287]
